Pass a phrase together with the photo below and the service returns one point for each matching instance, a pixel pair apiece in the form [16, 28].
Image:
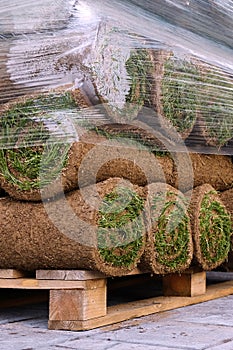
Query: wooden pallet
[78, 299]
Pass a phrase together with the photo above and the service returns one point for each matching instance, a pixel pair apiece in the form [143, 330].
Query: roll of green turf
[169, 246]
[99, 228]
[37, 144]
[211, 227]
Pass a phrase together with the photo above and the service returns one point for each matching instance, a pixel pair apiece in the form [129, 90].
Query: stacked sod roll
[100, 228]
[215, 108]
[37, 154]
[211, 227]
[173, 93]
[120, 74]
[38, 144]
[169, 246]
[227, 199]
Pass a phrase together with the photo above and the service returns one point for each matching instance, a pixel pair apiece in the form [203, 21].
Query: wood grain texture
[66, 305]
[123, 312]
[12, 273]
[188, 284]
[75, 275]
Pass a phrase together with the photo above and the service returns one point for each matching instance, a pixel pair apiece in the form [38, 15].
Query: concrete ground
[204, 326]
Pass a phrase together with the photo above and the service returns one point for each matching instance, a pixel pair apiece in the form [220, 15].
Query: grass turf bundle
[216, 170]
[227, 198]
[31, 167]
[99, 228]
[35, 147]
[211, 227]
[120, 74]
[173, 93]
[215, 119]
[169, 240]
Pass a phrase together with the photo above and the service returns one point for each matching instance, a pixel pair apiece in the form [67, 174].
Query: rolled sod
[99, 228]
[173, 93]
[36, 145]
[227, 198]
[30, 164]
[169, 246]
[216, 170]
[211, 227]
[120, 74]
[215, 116]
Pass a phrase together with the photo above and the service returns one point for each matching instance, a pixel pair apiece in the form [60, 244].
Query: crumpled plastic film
[167, 64]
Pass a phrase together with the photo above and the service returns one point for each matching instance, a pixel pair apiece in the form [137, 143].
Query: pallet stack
[139, 184]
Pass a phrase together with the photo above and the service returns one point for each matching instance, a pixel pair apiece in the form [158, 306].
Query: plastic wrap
[167, 64]
[93, 90]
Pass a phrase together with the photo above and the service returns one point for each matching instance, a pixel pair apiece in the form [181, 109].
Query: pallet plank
[123, 312]
[75, 275]
[12, 273]
[32, 283]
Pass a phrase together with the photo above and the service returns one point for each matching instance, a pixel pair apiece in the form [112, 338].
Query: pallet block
[77, 299]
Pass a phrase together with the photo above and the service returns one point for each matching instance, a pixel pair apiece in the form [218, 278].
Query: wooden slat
[75, 275]
[11, 273]
[141, 308]
[32, 283]
[68, 275]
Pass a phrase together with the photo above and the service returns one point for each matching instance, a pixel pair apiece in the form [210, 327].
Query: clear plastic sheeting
[164, 67]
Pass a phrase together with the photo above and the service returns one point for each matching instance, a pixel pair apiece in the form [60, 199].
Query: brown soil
[216, 170]
[227, 198]
[60, 234]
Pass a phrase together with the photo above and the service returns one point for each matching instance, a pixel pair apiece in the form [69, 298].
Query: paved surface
[199, 327]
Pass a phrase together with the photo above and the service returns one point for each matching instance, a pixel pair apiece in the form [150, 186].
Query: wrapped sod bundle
[215, 121]
[100, 228]
[120, 73]
[211, 227]
[169, 245]
[37, 144]
[40, 150]
[173, 93]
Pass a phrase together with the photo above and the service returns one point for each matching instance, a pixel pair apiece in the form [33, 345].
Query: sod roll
[227, 198]
[120, 73]
[99, 228]
[31, 163]
[211, 227]
[215, 107]
[169, 246]
[216, 170]
[37, 144]
[173, 93]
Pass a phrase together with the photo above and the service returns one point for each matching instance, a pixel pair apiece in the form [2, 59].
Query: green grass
[121, 227]
[26, 161]
[179, 93]
[171, 226]
[215, 230]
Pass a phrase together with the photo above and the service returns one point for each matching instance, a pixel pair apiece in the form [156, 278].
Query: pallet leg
[77, 304]
[187, 284]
